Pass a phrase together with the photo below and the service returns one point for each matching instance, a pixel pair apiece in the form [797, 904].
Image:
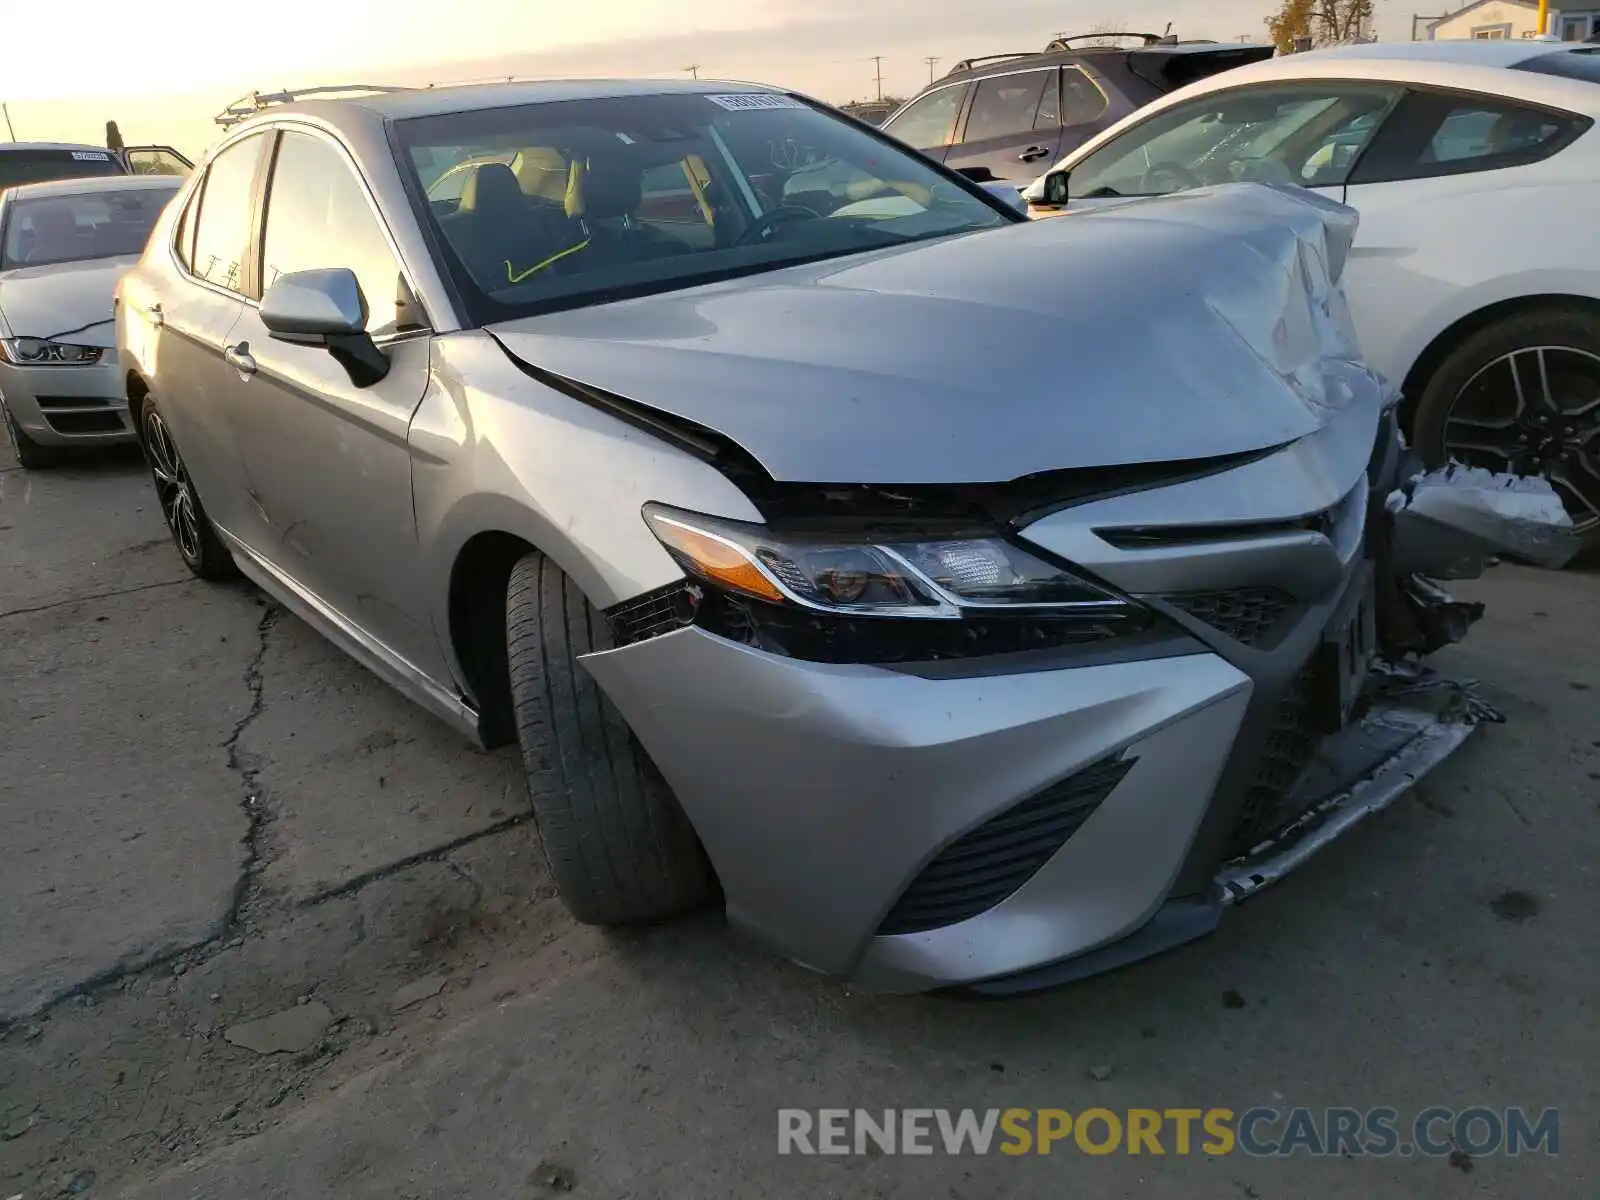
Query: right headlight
[969, 595]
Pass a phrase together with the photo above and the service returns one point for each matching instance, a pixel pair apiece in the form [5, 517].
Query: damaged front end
[1443, 524]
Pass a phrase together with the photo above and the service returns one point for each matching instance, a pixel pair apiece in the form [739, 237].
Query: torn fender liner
[1184, 328]
[1447, 521]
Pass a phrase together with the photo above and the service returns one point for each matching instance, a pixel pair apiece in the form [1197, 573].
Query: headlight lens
[946, 578]
[37, 352]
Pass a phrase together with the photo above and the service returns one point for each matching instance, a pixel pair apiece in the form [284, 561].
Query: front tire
[31, 455]
[1523, 395]
[620, 848]
[192, 533]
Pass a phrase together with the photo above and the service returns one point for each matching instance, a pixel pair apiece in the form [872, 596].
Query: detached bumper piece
[1416, 719]
[981, 868]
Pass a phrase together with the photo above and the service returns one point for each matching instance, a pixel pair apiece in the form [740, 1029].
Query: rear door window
[222, 231]
[1435, 134]
[1009, 104]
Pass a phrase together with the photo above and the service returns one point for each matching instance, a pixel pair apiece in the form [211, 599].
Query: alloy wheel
[1535, 411]
[173, 488]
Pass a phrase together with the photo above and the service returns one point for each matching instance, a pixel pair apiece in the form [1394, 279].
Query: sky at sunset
[163, 67]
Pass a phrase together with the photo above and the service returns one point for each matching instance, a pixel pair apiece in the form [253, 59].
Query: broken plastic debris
[1447, 517]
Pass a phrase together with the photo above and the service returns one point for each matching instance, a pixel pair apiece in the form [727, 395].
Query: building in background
[1492, 20]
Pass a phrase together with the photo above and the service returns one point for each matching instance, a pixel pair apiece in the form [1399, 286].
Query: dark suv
[1008, 116]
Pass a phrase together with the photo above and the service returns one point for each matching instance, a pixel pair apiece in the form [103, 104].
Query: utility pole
[930, 60]
[9, 128]
[693, 69]
[878, 60]
[1544, 17]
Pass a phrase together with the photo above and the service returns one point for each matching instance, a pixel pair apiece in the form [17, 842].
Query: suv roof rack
[966, 64]
[1149, 39]
[251, 103]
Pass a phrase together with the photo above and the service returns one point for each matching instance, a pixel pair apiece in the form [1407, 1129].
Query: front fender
[495, 451]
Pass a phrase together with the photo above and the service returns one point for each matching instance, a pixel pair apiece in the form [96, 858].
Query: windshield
[71, 228]
[39, 166]
[554, 205]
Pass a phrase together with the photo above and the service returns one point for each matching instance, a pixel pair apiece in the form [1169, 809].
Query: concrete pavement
[237, 822]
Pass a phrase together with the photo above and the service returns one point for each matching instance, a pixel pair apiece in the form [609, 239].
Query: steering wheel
[1181, 178]
[767, 225]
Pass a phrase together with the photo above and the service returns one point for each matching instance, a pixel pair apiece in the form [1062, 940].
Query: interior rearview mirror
[325, 308]
[1056, 191]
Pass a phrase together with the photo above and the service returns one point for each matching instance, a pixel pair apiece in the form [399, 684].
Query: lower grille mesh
[981, 868]
[650, 615]
[1248, 615]
[1291, 745]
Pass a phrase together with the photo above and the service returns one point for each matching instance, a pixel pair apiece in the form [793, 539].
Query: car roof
[1001, 64]
[1469, 65]
[9, 147]
[1479, 52]
[400, 103]
[95, 183]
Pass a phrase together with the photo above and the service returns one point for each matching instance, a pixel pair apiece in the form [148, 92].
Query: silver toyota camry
[955, 600]
[63, 246]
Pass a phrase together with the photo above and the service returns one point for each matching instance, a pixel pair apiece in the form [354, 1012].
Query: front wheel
[1523, 396]
[620, 848]
[192, 532]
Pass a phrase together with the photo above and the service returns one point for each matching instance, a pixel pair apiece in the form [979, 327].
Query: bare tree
[1325, 22]
[1104, 33]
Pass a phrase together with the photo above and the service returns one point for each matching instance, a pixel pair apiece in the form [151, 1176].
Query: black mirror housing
[1056, 190]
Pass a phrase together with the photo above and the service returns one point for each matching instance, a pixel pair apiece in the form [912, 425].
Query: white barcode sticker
[739, 101]
[90, 156]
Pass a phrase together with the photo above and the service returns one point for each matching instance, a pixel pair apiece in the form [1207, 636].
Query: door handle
[1033, 152]
[154, 312]
[238, 357]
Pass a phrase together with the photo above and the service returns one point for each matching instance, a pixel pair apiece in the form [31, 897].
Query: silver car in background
[63, 246]
[962, 600]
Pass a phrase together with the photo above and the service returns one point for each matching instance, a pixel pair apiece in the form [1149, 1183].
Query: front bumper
[68, 405]
[821, 791]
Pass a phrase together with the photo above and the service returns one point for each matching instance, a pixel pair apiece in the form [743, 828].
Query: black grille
[1249, 615]
[981, 868]
[1291, 745]
[652, 614]
[83, 422]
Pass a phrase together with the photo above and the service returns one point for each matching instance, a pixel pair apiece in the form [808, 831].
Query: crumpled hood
[55, 297]
[1187, 327]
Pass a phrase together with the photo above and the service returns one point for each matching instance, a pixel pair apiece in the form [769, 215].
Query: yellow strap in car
[694, 170]
[518, 276]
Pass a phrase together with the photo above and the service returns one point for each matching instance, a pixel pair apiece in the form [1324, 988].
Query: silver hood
[55, 297]
[1187, 327]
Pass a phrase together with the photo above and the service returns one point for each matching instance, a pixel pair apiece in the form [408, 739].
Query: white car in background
[1475, 278]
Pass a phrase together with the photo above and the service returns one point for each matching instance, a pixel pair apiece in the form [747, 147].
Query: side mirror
[1056, 191]
[325, 308]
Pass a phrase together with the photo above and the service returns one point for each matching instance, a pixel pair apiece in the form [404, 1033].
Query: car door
[156, 160]
[328, 462]
[1435, 167]
[928, 123]
[1310, 134]
[195, 319]
[1012, 126]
